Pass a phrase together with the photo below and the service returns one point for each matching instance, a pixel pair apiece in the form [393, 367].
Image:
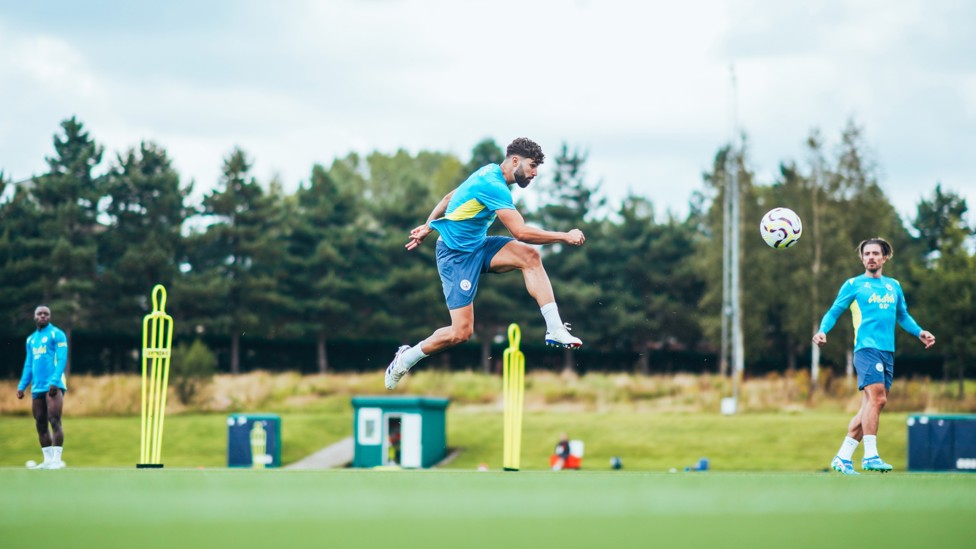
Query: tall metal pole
[735, 285]
[726, 268]
[815, 267]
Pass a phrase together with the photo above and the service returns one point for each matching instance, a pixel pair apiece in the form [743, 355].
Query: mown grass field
[767, 486]
[105, 508]
[801, 442]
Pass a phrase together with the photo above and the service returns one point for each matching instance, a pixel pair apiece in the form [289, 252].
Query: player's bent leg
[460, 330]
[518, 255]
[521, 256]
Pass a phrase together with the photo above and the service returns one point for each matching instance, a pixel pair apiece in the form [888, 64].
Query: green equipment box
[404, 431]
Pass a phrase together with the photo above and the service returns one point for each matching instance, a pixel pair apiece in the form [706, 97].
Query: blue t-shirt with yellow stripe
[876, 305]
[471, 210]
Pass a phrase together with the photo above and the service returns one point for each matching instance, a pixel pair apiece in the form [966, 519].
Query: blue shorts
[37, 396]
[460, 271]
[874, 366]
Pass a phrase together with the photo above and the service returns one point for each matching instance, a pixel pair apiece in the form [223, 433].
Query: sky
[644, 88]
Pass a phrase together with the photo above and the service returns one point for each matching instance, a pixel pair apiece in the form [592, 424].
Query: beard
[520, 178]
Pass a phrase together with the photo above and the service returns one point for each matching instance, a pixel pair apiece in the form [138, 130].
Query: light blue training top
[47, 355]
[876, 304]
[471, 210]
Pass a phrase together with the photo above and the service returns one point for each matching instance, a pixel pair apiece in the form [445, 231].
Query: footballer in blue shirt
[877, 303]
[47, 356]
[465, 251]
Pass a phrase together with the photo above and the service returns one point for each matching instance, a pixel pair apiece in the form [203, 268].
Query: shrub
[191, 369]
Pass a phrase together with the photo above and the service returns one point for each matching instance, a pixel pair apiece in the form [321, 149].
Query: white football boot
[560, 337]
[395, 372]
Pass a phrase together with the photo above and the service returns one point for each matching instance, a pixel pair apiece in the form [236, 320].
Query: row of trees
[326, 263]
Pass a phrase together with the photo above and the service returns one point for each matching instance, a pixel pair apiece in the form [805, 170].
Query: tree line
[318, 279]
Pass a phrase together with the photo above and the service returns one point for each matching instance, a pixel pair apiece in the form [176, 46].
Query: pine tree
[67, 199]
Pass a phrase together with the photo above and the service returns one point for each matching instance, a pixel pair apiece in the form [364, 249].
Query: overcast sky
[643, 86]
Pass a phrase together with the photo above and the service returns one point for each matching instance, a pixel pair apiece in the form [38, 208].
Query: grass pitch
[646, 442]
[184, 508]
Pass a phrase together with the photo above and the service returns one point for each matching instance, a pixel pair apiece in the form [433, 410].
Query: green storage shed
[405, 431]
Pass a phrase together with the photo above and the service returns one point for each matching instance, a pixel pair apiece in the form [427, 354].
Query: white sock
[48, 454]
[551, 313]
[56, 453]
[412, 356]
[870, 446]
[847, 448]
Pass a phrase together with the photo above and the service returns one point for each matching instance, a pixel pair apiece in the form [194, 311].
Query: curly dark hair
[886, 249]
[526, 148]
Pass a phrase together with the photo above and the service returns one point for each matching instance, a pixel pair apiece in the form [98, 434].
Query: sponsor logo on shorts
[879, 367]
[465, 284]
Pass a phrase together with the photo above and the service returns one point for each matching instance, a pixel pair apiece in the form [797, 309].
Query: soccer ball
[781, 228]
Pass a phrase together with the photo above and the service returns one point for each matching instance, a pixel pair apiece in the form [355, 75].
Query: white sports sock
[48, 454]
[412, 356]
[551, 313]
[847, 448]
[56, 453]
[870, 446]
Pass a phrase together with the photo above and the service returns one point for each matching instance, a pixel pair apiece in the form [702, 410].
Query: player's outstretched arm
[420, 233]
[516, 225]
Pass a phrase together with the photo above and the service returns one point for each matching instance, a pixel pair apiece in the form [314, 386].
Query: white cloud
[643, 86]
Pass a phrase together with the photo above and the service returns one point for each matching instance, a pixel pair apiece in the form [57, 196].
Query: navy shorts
[37, 396]
[874, 366]
[460, 271]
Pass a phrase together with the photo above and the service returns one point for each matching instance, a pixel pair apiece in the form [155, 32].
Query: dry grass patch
[119, 395]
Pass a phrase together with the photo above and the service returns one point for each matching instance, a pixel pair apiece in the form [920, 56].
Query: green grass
[188, 440]
[803, 441]
[107, 508]
[765, 489]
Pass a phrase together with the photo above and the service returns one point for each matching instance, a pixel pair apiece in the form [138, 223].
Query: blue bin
[254, 440]
[942, 443]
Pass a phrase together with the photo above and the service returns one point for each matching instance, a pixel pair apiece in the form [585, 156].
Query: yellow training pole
[143, 439]
[259, 445]
[157, 341]
[513, 394]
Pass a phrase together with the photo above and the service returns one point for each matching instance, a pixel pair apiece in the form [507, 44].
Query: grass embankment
[652, 423]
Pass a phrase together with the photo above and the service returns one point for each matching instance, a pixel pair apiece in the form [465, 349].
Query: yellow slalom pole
[157, 341]
[513, 394]
[259, 445]
[166, 344]
[143, 440]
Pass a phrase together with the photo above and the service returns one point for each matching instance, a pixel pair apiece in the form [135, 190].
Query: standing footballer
[47, 356]
[876, 304]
